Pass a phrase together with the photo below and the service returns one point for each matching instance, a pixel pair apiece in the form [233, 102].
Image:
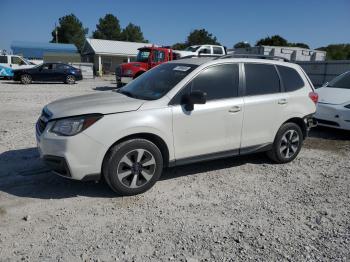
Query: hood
[332, 95]
[102, 103]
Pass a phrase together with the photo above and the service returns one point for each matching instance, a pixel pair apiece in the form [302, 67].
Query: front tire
[26, 79]
[287, 144]
[132, 167]
[70, 79]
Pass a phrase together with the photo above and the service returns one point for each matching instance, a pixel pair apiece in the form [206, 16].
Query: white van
[15, 62]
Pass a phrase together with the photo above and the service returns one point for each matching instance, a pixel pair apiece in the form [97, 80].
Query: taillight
[314, 97]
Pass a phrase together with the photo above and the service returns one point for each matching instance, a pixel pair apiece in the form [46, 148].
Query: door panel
[209, 128]
[264, 104]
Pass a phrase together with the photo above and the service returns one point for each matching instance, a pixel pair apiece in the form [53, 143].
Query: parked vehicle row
[333, 108]
[179, 112]
[149, 57]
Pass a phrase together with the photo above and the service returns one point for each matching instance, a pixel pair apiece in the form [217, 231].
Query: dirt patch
[2, 211]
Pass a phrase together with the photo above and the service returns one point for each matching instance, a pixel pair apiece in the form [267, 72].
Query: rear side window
[290, 78]
[219, 82]
[3, 59]
[217, 50]
[261, 79]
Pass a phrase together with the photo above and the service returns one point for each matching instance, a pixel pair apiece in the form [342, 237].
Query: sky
[316, 23]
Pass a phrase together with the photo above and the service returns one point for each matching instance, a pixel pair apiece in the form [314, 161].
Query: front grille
[41, 125]
[326, 122]
[42, 121]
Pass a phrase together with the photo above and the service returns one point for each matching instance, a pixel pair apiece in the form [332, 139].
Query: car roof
[215, 60]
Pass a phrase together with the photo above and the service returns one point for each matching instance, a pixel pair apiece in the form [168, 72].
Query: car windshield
[193, 48]
[155, 83]
[143, 55]
[342, 81]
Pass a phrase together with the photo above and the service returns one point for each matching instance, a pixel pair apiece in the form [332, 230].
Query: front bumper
[335, 116]
[77, 157]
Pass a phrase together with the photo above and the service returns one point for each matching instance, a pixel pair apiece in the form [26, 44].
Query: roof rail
[200, 56]
[271, 57]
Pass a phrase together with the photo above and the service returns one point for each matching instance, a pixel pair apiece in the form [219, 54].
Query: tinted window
[158, 56]
[49, 66]
[217, 50]
[218, 82]
[342, 81]
[290, 78]
[261, 79]
[3, 59]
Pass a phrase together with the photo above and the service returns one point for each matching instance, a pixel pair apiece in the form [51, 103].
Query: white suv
[177, 113]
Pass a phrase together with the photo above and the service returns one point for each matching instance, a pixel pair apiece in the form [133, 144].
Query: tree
[242, 45]
[108, 28]
[133, 33]
[274, 40]
[201, 37]
[179, 46]
[337, 51]
[70, 31]
[301, 45]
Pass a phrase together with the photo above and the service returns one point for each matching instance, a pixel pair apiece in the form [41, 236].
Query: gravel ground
[234, 209]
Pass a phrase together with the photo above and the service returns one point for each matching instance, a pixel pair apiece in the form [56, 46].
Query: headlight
[348, 106]
[74, 125]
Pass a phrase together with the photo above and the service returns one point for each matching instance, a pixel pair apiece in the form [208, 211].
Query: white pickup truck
[207, 50]
[11, 62]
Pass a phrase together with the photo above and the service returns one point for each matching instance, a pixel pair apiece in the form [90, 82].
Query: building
[107, 54]
[38, 51]
[291, 53]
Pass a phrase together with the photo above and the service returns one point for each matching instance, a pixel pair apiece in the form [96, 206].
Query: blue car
[48, 72]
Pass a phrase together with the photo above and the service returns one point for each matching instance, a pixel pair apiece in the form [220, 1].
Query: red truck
[147, 58]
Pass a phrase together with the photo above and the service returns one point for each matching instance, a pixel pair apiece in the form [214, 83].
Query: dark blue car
[48, 72]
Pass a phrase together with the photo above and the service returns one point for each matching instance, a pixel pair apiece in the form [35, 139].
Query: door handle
[282, 101]
[234, 109]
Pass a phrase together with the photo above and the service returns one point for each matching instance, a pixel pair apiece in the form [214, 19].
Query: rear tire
[132, 167]
[70, 79]
[287, 144]
[26, 79]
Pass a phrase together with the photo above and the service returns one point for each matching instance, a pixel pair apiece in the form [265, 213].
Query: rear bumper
[336, 116]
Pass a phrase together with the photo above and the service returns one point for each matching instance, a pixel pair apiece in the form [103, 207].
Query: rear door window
[217, 50]
[290, 78]
[261, 79]
[3, 59]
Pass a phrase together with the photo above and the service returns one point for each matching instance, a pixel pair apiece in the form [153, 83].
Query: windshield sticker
[182, 68]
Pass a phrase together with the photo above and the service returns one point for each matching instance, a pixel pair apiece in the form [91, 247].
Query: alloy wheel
[26, 79]
[136, 168]
[70, 79]
[289, 143]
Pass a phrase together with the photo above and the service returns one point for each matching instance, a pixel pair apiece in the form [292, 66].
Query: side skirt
[224, 154]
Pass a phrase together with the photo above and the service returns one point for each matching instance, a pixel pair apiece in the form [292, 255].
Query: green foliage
[277, 40]
[108, 28]
[274, 40]
[70, 31]
[201, 37]
[301, 45]
[179, 46]
[133, 33]
[337, 51]
[242, 45]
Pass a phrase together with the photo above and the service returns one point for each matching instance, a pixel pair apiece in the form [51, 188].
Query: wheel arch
[300, 122]
[139, 73]
[155, 139]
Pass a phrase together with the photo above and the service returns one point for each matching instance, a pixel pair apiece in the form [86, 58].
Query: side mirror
[195, 97]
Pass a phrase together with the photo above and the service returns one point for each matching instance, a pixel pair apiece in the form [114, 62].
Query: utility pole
[56, 32]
